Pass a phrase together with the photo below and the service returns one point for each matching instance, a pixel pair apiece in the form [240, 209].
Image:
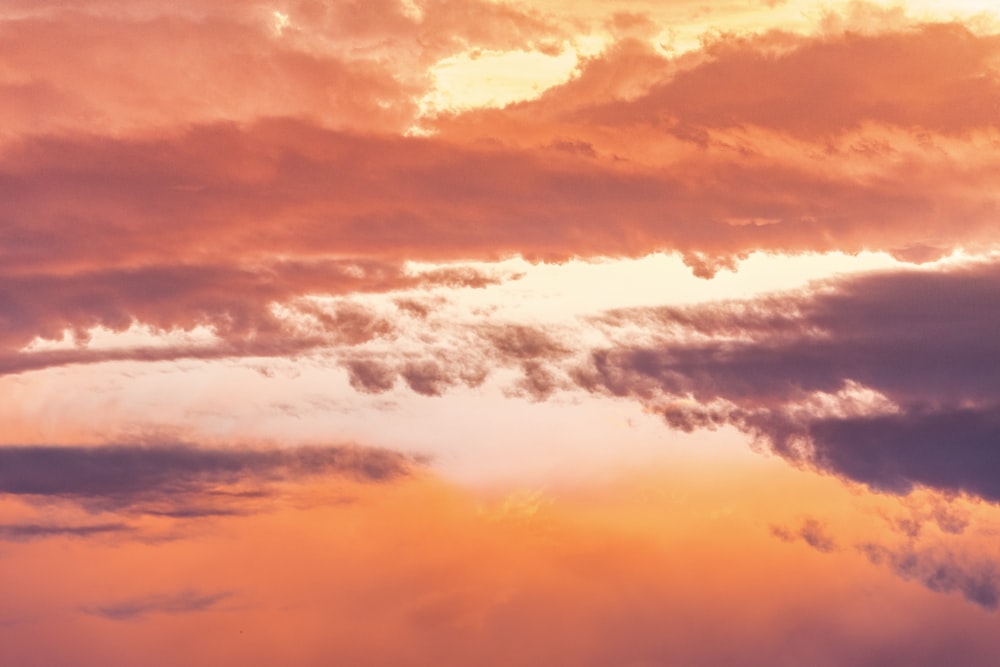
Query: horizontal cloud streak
[172, 479]
[885, 379]
[31, 531]
[184, 602]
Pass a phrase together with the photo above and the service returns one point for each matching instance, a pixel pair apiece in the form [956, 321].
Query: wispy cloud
[812, 531]
[31, 531]
[183, 602]
[977, 580]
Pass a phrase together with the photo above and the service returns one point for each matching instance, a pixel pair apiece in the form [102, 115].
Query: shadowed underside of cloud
[183, 602]
[179, 480]
[236, 302]
[885, 379]
[285, 186]
[956, 450]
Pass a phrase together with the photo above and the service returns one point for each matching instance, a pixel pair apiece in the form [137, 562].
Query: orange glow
[645, 568]
[482, 332]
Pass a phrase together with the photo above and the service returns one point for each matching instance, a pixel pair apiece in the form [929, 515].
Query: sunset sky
[634, 333]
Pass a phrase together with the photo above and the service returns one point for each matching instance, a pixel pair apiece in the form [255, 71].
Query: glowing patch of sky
[474, 435]
[495, 78]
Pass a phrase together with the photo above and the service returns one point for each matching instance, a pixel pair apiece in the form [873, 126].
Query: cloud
[822, 86]
[288, 187]
[176, 479]
[264, 310]
[447, 355]
[207, 188]
[346, 64]
[952, 450]
[183, 602]
[780, 142]
[17, 532]
[883, 379]
[812, 531]
[919, 336]
[949, 518]
[978, 582]
[370, 376]
[880, 378]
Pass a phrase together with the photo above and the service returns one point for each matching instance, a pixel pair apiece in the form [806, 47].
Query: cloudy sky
[646, 333]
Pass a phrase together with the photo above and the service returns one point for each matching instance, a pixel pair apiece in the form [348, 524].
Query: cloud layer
[174, 479]
[157, 198]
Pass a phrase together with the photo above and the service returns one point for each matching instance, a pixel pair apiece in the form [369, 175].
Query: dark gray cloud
[183, 602]
[956, 450]
[177, 479]
[923, 336]
[925, 342]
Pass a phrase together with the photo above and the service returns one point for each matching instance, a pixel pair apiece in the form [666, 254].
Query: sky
[467, 332]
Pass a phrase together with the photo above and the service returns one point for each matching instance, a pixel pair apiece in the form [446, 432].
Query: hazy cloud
[978, 581]
[812, 531]
[18, 532]
[183, 602]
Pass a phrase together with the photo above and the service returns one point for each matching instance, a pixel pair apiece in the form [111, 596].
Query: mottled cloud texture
[193, 192]
[243, 149]
[883, 378]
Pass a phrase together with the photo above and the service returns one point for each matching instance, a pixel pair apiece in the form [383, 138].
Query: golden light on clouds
[499, 333]
[495, 79]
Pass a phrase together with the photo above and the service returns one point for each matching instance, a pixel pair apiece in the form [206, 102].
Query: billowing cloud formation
[192, 180]
[344, 64]
[173, 479]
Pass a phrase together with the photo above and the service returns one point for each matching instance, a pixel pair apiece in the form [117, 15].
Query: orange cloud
[189, 177]
[149, 68]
